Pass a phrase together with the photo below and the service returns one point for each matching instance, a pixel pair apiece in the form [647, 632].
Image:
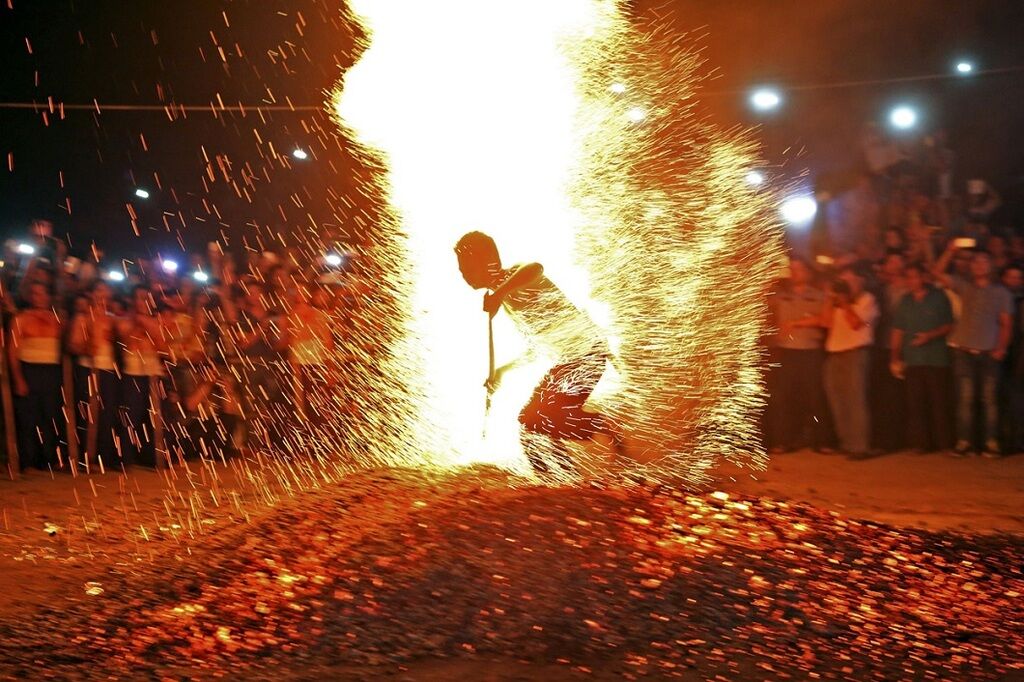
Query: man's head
[479, 261]
[915, 277]
[981, 265]
[854, 280]
[892, 266]
[893, 239]
[1017, 246]
[142, 300]
[39, 296]
[101, 292]
[996, 245]
[799, 271]
[1013, 277]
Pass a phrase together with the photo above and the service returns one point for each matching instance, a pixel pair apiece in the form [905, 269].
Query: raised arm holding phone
[980, 340]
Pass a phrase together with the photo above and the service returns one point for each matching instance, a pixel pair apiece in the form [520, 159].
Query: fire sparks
[514, 119]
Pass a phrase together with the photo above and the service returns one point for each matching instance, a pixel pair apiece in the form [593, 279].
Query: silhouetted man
[549, 320]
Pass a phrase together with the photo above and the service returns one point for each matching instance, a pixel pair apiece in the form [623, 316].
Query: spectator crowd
[899, 323]
[155, 362]
[898, 326]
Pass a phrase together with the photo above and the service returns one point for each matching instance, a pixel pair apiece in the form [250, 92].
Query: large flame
[564, 134]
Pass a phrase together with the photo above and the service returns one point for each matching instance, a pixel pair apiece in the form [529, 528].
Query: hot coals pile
[390, 568]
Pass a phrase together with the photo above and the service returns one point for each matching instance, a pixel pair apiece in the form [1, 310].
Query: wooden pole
[10, 432]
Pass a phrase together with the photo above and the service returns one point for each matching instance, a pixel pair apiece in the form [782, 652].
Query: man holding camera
[850, 316]
[980, 340]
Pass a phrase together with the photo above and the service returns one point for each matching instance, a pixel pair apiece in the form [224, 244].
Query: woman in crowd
[35, 361]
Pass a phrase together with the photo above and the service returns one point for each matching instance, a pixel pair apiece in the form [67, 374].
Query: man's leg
[27, 413]
[784, 400]
[51, 402]
[533, 450]
[918, 404]
[808, 401]
[109, 387]
[834, 394]
[988, 376]
[774, 419]
[937, 388]
[886, 402]
[856, 380]
[963, 369]
[134, 418]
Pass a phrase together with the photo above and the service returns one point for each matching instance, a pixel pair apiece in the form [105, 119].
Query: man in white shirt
[850, 316]
[551, 322]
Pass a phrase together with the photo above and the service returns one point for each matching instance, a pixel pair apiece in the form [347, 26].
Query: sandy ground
[931, 492]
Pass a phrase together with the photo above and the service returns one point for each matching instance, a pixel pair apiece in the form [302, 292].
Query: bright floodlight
[618, 88]
[169, 266]
[26, 249]
[964, 67]
[903, 117]
[333, 259]
[142, 193]
[636, 114]
[798, 211]
[200, 276]
[300, 154]
[115, 276]
[765, 99]
[755, 178]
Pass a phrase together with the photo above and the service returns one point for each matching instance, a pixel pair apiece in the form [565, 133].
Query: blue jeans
[977, 377]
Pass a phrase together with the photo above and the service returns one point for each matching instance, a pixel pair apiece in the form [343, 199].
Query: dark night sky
[293, 50]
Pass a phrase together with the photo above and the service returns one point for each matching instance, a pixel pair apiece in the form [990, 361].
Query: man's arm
[895, 345]
[939, 270]
[14, 338]
[1005, 333]
[858, 315]
[523, 276]
[492, 383]
[78, 338]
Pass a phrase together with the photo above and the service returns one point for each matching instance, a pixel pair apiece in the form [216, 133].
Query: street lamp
[334, 260]
[169, 266]
[300, 154]
[141, 193]
[903, 117]
[636, 114]
[799, 211]
[755, 178]
[964, 67]
[765, 99]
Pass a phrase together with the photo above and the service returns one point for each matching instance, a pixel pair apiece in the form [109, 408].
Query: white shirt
[842, 337]
[550, 320]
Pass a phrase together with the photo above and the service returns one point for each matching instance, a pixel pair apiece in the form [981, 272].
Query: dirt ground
[60, 536]
[57, 531]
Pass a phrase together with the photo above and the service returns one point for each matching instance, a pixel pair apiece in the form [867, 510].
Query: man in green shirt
[919, 353]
